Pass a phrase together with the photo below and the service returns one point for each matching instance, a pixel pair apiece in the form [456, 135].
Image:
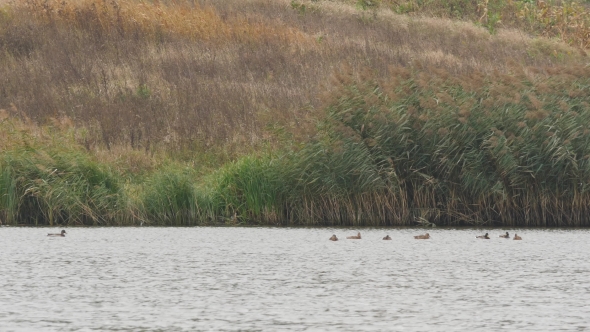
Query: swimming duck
[483, 236]
[506, 236]
[334, 238]
[387, 237]
[422, 237]
[516, 237]
[63, 233]
[357, 237]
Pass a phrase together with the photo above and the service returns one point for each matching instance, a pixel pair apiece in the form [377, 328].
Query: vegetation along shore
[280, 112]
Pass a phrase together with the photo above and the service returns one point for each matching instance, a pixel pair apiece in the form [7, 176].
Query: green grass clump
[169, 198]
[58, 187]
[250, 190]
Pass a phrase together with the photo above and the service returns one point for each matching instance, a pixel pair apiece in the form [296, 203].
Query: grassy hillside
[294, 112]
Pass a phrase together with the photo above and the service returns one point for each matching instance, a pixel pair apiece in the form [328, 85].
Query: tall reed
[506, 149]
[250, 190]
[425, 147]
[169, 198]
[45, 180]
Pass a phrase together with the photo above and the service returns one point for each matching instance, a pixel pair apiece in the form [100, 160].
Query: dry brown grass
[155, 20]
[222, 75]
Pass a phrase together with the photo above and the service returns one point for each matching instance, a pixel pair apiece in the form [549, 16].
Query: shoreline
[432, 229]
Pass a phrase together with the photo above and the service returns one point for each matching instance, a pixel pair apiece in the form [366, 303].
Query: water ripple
[271, 279]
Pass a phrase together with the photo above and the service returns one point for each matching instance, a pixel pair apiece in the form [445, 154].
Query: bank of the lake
[496, 151]
[327, 113]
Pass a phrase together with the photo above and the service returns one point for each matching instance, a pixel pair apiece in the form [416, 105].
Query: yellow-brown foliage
[152, 19]
[568, 20]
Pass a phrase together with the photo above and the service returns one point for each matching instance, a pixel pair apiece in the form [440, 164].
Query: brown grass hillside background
[230, 75]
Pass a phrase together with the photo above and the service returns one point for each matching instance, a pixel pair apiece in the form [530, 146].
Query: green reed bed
[424, 148]
[48, 184]
[169, 198]
[420, 147]
[510, 150]
[250, 190]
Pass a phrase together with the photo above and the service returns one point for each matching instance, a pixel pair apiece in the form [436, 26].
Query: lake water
[276, 279]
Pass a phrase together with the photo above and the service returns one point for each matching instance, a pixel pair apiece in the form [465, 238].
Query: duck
[334, 238]
[486, 236]
[422, 237]
[357, 237]
[516, 237]
[63, 233]
[387, 237]
[506, 236]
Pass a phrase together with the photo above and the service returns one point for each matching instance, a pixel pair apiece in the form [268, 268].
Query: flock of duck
[358, 236]
[506, 236]
[426, 237]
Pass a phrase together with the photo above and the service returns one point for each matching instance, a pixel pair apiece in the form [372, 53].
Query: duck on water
[422, 237]
[357, 237]
[62, 234]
